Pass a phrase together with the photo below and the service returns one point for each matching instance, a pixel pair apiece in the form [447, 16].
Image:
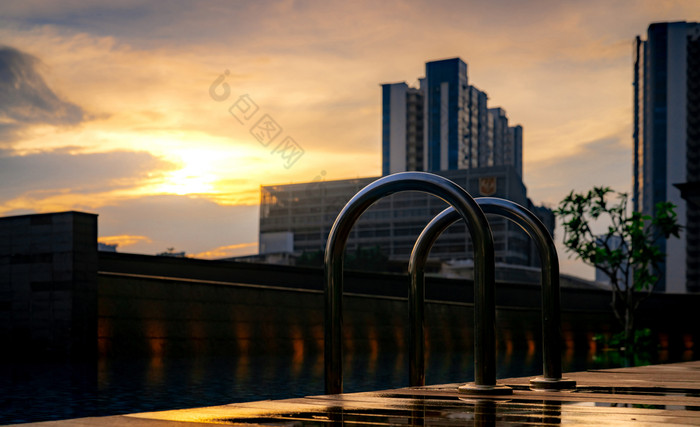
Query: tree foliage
[628, 252]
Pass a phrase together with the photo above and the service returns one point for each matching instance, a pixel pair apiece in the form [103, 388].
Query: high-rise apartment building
[667, 140]
[445, 119]
[513, 154]
[402, 128]
[445, 124]
[477, 126]
[498, 134]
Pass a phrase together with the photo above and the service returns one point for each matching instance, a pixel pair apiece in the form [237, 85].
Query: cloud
[25, 98]
[228, 251]
[603, 162]
[41, 175]
[123, 240]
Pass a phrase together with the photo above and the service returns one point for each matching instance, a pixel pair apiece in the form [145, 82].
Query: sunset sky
[105, 107]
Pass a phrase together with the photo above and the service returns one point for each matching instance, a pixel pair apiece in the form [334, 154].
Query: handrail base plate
[541, 383]
[488, 390]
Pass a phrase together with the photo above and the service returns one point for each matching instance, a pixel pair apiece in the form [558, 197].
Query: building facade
[445, 119]
[445, 124]
[667, 140]
[477, 127]
[301, 216]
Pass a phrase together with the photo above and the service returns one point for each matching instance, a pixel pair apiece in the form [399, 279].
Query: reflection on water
[44, 391]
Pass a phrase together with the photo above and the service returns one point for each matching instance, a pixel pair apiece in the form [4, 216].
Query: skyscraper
[476, 132]
[667, 140]
[402, 128]
[445, 124]
[498, 135]
[513, 154]
[445, 118]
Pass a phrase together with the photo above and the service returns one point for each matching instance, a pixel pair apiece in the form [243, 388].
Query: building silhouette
[667, 141]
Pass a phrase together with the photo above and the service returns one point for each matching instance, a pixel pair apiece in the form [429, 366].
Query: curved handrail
[484, 271]
[551, 322]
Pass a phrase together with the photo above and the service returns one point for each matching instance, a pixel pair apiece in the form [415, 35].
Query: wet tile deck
[650, 395]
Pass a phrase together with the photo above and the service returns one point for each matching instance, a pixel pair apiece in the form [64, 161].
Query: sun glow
[192, 179]
[201, 171]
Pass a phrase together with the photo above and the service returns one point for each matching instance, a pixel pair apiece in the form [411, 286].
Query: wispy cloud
[229, 251]
[123, 240]
[26, 99]
[38, 178]
[603, 162]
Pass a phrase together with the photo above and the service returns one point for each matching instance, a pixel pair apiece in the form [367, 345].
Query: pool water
[39, 391]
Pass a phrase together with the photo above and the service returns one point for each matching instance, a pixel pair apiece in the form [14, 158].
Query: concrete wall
[144, 312]
[211, 307]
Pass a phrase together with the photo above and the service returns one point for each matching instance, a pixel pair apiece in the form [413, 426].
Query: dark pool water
[39, 391]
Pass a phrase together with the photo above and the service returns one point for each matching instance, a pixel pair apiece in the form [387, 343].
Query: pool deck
[648, 395]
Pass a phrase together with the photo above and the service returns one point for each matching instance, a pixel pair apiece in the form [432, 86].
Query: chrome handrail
[551, 305]
[484, 272]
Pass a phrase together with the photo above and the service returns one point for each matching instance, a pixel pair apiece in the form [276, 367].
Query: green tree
[628, 253]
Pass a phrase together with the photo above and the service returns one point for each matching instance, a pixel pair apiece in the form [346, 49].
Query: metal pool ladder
[551, 304]
[463, 206]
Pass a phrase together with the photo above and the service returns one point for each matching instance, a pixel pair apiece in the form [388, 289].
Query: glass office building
[667, 140]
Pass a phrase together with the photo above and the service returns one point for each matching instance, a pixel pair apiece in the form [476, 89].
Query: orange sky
[127, 127]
